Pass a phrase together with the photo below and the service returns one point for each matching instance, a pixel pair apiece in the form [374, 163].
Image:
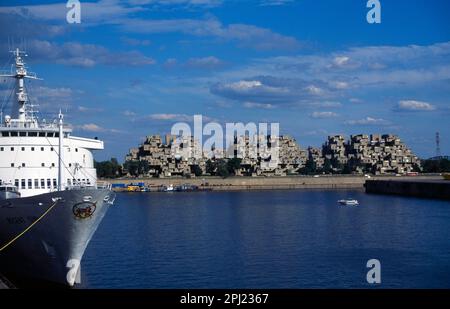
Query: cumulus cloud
[244, 35]
[83, 55]
[412, 105]
[368, 121]
[321, 115]
[270, 90]
[258, 105]
[331, 76]
[92, 127]
[170, 117]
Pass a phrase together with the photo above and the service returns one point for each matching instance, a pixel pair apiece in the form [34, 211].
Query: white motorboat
[349, 202]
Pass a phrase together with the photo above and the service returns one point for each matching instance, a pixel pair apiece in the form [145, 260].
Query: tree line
[225, 168]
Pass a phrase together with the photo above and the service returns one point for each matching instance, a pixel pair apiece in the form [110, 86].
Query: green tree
[309, 168]
[233, 165]
[222, 168]
[132, 167]
[196, 170]
[211, 167]
[108, 169]
[327, 166]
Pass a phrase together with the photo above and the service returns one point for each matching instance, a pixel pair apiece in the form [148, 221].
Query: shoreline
[239, 183]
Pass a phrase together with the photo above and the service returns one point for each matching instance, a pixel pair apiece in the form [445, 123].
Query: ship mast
[20, 110]
[60, 151]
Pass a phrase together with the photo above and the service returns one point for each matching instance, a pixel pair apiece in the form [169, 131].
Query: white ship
[50, 200]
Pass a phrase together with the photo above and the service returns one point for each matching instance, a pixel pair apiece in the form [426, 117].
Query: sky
[318, 68]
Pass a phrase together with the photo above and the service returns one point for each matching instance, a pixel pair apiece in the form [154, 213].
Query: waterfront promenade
[267, 183]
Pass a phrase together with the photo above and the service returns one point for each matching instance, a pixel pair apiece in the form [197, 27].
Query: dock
[424, 188]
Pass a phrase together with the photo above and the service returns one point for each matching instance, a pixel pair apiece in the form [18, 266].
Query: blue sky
[133, 68]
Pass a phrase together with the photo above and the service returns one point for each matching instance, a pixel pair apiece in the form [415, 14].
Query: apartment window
[22, 133]
[23, 149]
[54, 183]
[42, 148]
[32, 133]
[43, 183]
[49, 183]
[5, 134]
[16, 183]
[30, 184]
[23, 164]
[50, 134]
[69, 182]
[76, 149]
[12, 148]
[12, 164]
[36, 183]
[13, 133]
[32, 148]
[22, 183]
[53, 164]
[41, 134]
[2, 148]
[43, 164]
[51, 148]
[70, 164]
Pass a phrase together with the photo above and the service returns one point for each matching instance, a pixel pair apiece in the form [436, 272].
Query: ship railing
[103, 185]
[99, 185]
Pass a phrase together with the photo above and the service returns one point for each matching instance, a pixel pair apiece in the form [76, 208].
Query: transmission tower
[438, 145]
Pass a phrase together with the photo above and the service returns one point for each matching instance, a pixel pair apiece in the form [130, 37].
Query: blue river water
[269, 239]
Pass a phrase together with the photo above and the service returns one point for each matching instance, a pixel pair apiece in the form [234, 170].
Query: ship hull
[52, 249]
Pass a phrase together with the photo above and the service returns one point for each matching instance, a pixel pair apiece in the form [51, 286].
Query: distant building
[377, 154]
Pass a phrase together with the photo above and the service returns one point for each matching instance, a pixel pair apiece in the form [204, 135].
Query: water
[269, 239]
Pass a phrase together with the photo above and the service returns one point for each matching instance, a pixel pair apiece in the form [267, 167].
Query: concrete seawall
[260, 183]
[426, 188]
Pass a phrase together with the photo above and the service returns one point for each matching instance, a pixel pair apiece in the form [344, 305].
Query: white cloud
[412, 105]
[247, 36]
[258, 105]
[92, 127]
[321, 115]
[129, 113]
[84, 55]
[368, 121]
[170, 117]
[340, 60]
[84, 109]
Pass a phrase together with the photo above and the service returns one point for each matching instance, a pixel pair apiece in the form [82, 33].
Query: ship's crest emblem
[84, 210]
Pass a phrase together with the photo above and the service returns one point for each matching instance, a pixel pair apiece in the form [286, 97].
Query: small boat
[169, 188]
[349, 202]
[8, 191]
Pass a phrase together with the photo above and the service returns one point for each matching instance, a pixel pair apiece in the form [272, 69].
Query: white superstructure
[29, 149]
